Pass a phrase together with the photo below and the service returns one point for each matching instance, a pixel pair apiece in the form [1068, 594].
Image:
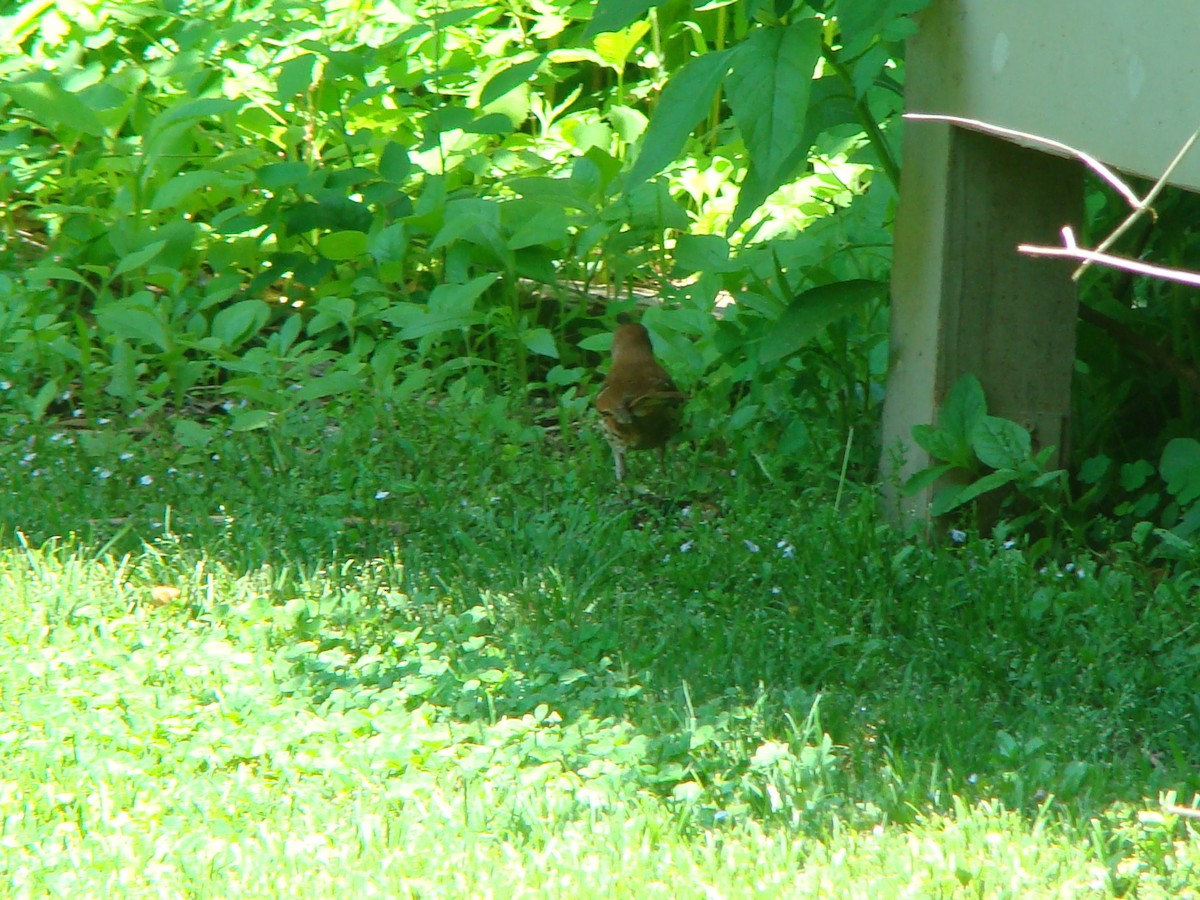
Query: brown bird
[640, 406]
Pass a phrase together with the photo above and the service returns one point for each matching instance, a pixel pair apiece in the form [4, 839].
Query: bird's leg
[618, 462]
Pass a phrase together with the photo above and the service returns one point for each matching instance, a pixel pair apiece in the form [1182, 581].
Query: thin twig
[1092, 163]
[1186, 812]
[1071, 250]
[1145, 203]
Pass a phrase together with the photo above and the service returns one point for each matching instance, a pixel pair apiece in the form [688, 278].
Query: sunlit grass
[312, 662]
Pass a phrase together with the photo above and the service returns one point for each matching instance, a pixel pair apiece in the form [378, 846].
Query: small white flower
[751, 546]
[382, 495]
[102, 473]
[788, 550]
[776, 591]
[215, 457]
[957, 536]
[733, 473]
[1009, 544]
[126, 456]
[685, 546]
[146, 480]
[76, 413]
[5, 385]
[103, 421]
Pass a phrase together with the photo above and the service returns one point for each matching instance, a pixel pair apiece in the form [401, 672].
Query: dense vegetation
[314, 575]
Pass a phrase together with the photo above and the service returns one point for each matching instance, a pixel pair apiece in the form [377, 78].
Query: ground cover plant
[314, 577]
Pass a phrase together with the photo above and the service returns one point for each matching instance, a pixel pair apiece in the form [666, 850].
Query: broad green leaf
[251, 419]
[1000, 443]
[138, 258]
[235, 324]
[1134, 475]
[180, 187]
[615, 47]
[1094, 468]
[134, 323]
[684, 101]
[925, 478]
[286, 174]
[541, 342]
[862, 21]
[328, 385]
[702, 253]
[389, 244]
[54, 273]
[612, 15]
[295, 77]
[813, 311]
[1180, 468]
[945, 500]
[53, 106]
[343, 245]
[458, 299]
[988, 482]
[963, 409]
[190, 433]
[200, 108]
[547, 226]
[768, 87]
[394, 164]
[510, 79]
[629, 123]
[941, 446]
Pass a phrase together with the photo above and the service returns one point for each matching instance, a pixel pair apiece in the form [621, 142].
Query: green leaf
[460, 298]
[389, 244]
[1134, 475]
[862, 21]
[925, 478]
[343, 245]
[615, 47]
[327, 385]
[684, 101]
[941, 446]
[945, 500]
[1180, 468]
[180, 187]
[134, 322]
[138, 258]
[1094, 468]
[963, 409]
[190, 433]
[1000, 443]
[236, 324]
[770, 77]
[295, 77]
[702, 253]
[546, 226]
[812, 311]
[251, 419]
[53, 106]
[612, 15]
[541, 342]
[988, 482]
[394, 164]
[510, 79]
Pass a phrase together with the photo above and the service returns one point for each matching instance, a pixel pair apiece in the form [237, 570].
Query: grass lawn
[437, 654]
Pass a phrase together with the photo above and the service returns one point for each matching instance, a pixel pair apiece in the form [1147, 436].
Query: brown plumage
[640, 406]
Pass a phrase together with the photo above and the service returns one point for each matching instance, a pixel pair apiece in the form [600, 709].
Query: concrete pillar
[964, 300]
